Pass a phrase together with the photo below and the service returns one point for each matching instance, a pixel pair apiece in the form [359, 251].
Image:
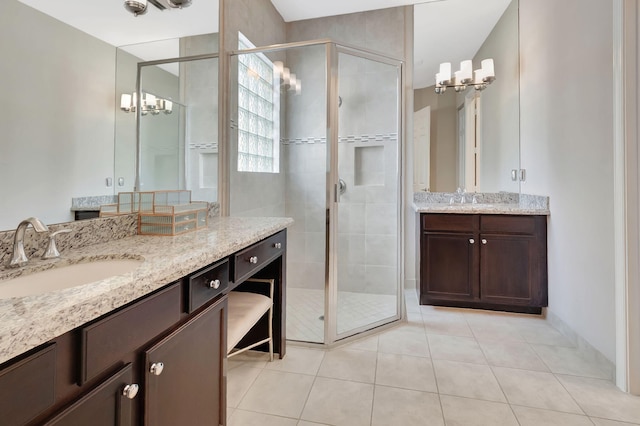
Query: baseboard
[580, 343]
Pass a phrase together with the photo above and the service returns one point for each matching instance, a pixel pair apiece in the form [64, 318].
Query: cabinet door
[106, 405]
[508, 270]
[449, 267]
[184, 378]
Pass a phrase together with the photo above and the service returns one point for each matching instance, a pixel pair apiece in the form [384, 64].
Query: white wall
[56, 115]
[567, 150]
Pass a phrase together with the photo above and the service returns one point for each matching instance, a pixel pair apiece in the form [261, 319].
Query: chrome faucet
[19, 257]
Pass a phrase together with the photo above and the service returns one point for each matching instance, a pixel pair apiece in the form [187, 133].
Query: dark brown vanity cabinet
[184, 371]
[483, 261]
[160, 360]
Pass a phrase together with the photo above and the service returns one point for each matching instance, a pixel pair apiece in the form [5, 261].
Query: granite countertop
[26, 322]
[486, 203]
[506, 208]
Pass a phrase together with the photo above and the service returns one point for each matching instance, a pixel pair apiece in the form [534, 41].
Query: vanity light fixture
[137, 7]
[288, 80]
[465, 77]
[150, 104]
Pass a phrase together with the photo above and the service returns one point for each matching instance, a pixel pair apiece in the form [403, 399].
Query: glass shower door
[367, 243]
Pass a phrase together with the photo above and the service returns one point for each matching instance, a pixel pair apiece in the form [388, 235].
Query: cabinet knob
[214, 284]
[253, 259]
[484, 241]
[130, 391]
[156, 368]
[278, 245]
[472, 241]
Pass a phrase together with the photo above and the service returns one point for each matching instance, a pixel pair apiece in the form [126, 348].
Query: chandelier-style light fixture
[150, 104]
[465, 77]
[139, 7]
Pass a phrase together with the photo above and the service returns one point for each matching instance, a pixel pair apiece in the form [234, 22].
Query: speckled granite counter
[487, 203]
[27, 322]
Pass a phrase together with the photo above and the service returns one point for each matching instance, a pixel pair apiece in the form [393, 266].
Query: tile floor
[443, 367]
[305, 307]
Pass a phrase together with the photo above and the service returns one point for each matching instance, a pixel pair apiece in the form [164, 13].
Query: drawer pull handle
[253, 259]
[472, 241]
[130, 391]
[278, 245]
[156, 368]
[214, 284]
[484, 241]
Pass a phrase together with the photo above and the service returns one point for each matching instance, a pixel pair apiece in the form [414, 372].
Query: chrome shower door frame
[333, 187]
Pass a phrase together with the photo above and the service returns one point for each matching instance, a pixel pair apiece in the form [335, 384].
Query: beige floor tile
[603, 422]
[467, 380]
[278, 393]
[535, 389]
[536, 417]
[489, 328]
[473, 412]
[512, 354]
[404, 340]
[453, 325]
[339, 402]
[543, 334]
[365, 344]
[230, 411]
[239, 380]
[251, 359]
[349, 364]
[306, 423]
[572, 361]
[298, 360]
[602, 399]
[405, 371]
[456, 348]
[248, 418]
[392, 406]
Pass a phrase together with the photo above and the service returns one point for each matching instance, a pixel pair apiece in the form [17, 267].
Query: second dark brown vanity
[488, 261]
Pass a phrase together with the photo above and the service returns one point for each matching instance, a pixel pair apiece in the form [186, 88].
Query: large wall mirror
[61, 120]
[177, 142]
[469, 139]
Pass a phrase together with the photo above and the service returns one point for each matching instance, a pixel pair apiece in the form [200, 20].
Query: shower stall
[315, 135]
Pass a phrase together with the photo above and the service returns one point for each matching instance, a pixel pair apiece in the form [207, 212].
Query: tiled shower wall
[368, 152]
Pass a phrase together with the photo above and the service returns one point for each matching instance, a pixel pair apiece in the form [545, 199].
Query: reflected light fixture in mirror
[479, 78]
[150, 104]
[287, 79]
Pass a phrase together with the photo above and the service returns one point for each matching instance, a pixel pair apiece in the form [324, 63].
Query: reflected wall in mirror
[470, 139]
[178, 146]
[62, 101]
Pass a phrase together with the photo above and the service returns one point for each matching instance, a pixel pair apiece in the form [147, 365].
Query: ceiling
[445, 30]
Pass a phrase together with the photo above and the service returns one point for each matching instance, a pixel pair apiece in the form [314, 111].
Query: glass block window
[258, 112]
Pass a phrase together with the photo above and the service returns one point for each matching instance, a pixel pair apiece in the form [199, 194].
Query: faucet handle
[52, 251]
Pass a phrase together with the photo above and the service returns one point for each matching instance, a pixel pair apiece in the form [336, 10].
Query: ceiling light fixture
[465, 77]
[137, 7]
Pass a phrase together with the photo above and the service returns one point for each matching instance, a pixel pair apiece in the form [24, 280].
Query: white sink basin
[67, 276]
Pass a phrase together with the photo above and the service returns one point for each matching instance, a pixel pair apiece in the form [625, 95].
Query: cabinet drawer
[252, 259]
[206, 284]
[108, 340]
[27, 387]
[450, 222]
[502, 224]
[104, 405]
